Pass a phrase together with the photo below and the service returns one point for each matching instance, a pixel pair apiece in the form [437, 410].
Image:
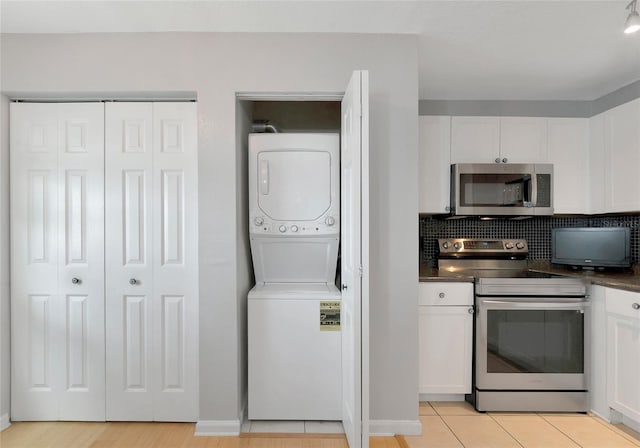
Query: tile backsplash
[536, 230]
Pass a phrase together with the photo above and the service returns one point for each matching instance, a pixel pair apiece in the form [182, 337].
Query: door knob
[133, 281]
[344, 286]
[76, 281]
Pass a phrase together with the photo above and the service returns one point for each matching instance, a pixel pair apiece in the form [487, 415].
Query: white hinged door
[354, 253]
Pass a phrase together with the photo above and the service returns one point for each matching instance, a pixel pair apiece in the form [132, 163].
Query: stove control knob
[509, 245]
[457, 246]
[445, 245]
[520, 245]
[294, 228]
[258, 221]
[282, 229]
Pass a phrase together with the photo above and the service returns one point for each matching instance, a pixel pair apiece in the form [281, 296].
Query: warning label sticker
[329, 316]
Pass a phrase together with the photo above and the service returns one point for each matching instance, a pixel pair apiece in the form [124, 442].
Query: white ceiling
[469, 50]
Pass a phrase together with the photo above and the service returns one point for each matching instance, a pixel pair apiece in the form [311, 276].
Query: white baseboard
[441, 397]
[4, 422]
[395, 427]
[218, 428]
[631, 423]
[606, 418]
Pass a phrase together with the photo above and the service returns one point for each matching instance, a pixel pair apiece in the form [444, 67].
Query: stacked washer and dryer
[294, 346]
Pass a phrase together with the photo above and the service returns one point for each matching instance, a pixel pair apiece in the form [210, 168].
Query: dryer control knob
[282, 229]
[329, 221]
[294, 228]
[258, 221]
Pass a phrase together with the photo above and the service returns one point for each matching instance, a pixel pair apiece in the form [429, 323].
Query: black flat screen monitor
[597, 247]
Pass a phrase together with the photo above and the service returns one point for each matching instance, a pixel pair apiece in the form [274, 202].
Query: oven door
[530, 343]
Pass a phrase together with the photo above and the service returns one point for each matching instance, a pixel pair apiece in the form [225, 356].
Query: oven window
[535, 341]
[495, 190]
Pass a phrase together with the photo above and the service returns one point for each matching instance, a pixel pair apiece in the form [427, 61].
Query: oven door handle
[522, 304]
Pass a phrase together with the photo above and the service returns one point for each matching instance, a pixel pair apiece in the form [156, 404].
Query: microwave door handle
[533, 192]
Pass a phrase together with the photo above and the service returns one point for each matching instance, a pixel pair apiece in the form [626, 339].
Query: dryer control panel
[260, 224]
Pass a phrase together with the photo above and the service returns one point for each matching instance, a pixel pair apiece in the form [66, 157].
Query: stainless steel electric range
[530, 331]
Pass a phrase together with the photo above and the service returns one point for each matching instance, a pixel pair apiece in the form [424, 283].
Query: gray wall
[584, 109]
[4, 259]
[216, 66]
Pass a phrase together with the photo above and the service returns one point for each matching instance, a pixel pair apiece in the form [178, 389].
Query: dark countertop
[627, 280]
[429, 274]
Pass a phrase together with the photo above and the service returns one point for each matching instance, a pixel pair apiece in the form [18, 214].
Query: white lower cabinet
[446, 337]
[623, 347]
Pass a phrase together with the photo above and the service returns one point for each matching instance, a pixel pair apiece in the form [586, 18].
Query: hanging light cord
[632, 23]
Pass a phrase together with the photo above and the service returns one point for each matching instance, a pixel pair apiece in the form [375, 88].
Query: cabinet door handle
[471, 310]
[504, 160]
[636, 306]
[76, 281]
[133, 281]
[441, 295]
[497, 159]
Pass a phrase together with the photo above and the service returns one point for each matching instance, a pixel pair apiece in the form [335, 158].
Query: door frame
[365, 213]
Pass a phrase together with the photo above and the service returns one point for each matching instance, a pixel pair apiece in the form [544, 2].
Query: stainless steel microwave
[488, 189]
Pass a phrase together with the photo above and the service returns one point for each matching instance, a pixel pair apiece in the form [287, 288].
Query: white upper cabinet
[596, 159]
[498, 140]
[434, 164]
[523, 139]
[475, 139]
[567, 145]
[622, 157]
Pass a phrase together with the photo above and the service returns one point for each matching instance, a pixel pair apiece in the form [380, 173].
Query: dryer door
[294, 185]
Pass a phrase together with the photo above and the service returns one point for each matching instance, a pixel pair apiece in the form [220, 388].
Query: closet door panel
[57, 235]
[175, 261]
[129, 269]
[81, 258]
[35, 317]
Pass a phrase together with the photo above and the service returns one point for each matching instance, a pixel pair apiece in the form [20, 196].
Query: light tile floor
[458, 425]
[292, 427]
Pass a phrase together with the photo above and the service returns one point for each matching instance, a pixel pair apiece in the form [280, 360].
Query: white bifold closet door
[57, 261]
[151, 261]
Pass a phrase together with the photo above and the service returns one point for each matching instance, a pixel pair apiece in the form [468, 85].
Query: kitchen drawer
[623, 302]
[445, 293]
